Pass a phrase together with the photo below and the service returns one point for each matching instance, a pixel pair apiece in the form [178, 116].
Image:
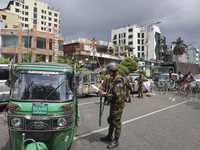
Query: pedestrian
[105, 84]
[116, 95]
[140, 83]
[129, 86]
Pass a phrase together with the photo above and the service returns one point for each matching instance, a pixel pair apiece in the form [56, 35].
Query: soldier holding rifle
[116, 96]
[129, 86]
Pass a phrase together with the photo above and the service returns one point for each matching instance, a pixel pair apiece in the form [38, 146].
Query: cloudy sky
[96, 18]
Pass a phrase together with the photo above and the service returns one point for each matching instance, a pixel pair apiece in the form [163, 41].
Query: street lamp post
[14, 47]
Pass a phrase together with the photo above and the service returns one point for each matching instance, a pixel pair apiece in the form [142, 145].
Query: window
[16, 3]
[22, 6]
[26, 13]
[35, 9]
[44, 23]
[42, 28]
[4, 72]
[9, 41]
[138, 41]
[124, 41]
[25, 42]
[49, 19]
[3, 17]
[42, 11]
[138, 54]
[142, 48]
[41, 43]
[26, 7]
[138, 35]
[50, 58]
[142, 35]
[50, 30]
[119, 36]
[49, 24]
[60, 45]
[41, 22]
[50, 13]
[124, 35]
[130, 36]
[142, 54]
[26, 25]
[35, 4]
[138, 48]
[55, 25]
[56, 15]
[22, 12]
[130, 30]
[130, 43]
[16, 10]
[34, 15]
[26, 19]
[50, 44]
[55, 20]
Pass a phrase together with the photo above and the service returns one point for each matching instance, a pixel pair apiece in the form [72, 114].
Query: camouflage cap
[112, 66]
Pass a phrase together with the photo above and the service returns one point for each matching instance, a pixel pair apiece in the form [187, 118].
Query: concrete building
[10, 19]
[16, 41]
[94, 54]
[193, 54]
[29, 25]
[32, 12]
[145, 40]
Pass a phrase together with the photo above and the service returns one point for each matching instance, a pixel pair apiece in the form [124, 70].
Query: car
[135, 80]
[197, 78]
[165, 77]
[4, 90]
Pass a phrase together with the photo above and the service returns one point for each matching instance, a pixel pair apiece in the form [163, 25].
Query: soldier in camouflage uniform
[140, 83]
[129, 86]
[116, 96]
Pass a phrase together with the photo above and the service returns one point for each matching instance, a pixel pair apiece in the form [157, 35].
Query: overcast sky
[96, 18]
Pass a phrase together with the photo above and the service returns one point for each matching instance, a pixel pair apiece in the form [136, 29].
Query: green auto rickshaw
[42, 111]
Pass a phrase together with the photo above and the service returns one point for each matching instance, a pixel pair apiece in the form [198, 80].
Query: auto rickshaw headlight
[16, 122]
[62, 122]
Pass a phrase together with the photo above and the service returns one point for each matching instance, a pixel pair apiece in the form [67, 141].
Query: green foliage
[122, 69]
[4, 60]
[71, 62]
[27, 57]
[130, 63]
[180, 47]
[39, 59]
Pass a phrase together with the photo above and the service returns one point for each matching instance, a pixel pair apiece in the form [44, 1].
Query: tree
[179, 48]
[4, 60]
[27, 57]
[122, 69]
[71, 62]
[130, 63]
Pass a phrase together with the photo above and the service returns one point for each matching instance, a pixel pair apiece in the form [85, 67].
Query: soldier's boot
[141, 96]
[107, 137]
[138, 96]
[114, 144]
[129, 101]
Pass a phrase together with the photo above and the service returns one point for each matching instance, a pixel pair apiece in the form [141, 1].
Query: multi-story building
[10, 19]
[94, 54]
[145, 40]
[32, 12]
[15, 42]
[34, 28]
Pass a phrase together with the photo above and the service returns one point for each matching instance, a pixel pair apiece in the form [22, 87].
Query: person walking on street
[129, 86]
[140, 83]
[116, 95]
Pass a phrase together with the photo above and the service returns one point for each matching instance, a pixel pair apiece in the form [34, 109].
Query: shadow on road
[196, 105]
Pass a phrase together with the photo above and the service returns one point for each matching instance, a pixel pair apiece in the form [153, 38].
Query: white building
[35, 12]
[145, 40]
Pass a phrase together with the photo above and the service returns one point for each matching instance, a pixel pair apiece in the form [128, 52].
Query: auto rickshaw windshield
[53, 87]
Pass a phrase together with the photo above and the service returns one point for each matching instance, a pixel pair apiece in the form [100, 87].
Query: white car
[135, 80]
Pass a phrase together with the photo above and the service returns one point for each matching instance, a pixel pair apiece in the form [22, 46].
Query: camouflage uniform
[140, 83]
[105, 82]
[116, 96]
[129, 86]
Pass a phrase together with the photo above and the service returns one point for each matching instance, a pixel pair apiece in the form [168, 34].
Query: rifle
[101, 109]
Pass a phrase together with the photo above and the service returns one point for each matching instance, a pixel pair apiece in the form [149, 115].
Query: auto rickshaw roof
[44, 66]
[87, 72]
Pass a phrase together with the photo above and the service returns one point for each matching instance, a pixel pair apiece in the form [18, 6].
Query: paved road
[152, 123]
